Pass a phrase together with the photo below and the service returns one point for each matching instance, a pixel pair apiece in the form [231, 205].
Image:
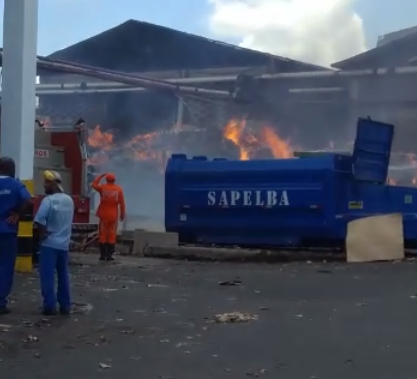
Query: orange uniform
[110, 210]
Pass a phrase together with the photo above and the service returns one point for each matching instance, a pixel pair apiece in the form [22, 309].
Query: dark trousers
[53, 261]
[8, 254]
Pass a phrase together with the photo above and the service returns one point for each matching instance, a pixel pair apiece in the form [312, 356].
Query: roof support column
[18, 102]
[354, 107]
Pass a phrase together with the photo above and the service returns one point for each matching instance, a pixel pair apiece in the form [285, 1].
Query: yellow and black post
[24, 261]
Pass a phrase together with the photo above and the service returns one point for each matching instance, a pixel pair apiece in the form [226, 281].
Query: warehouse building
[393, 96]
[158, 52]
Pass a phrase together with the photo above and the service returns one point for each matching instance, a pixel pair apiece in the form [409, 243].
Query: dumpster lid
[319, 153]
[372, 149]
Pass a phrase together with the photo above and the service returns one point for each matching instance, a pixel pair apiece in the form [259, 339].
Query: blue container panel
[372, 150]
[362, 199]
[358, 200]
[253, 202]
[236, 216]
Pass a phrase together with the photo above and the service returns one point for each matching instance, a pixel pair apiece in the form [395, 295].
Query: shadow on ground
[153, 319]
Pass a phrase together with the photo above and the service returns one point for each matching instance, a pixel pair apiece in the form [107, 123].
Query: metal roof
[401, 50]
[389, 37]
[137, 46]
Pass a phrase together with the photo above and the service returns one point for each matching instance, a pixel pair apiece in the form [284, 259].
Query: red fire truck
[62, 148]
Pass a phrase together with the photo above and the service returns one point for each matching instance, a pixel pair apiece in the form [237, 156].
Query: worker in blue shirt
[14, 198]
[54, 224]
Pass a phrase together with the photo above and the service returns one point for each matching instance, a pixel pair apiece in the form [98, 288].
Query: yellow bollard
[24, 261]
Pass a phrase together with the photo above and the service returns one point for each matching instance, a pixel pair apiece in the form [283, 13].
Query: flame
[279, 147]
[249, 142]
[138, 148]
[99, 139]
[151, 147]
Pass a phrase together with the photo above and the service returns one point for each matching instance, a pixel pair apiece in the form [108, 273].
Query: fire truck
[62, 147]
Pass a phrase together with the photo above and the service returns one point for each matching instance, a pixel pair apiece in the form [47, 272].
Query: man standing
[109, 211]
[54, 223]
[14, 199]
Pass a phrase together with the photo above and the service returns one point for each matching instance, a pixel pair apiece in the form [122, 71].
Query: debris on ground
[230, 283]
[234, 317]
[258, 373]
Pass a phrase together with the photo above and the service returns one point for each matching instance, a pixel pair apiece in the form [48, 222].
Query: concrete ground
[153, 319]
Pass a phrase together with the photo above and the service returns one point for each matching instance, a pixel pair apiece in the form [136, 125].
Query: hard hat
[54, 176]
[110, 177]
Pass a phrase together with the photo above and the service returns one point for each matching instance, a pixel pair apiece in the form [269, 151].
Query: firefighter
[110, 210]
[15, 199]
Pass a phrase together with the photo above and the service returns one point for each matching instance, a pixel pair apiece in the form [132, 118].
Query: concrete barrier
[143, 239]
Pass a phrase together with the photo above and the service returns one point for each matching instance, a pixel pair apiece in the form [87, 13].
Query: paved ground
[152, 320]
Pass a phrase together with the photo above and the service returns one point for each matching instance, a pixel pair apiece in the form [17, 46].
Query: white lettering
[235, 196]
[247, 201]
[284, 199]
[259, 202]
[259, 198]
[271, 198]
[110, 194]
[223, 199]
[211, 198]
[5, 192]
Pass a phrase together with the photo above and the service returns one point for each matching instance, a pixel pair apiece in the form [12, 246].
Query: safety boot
[110, 251]
[103, 251]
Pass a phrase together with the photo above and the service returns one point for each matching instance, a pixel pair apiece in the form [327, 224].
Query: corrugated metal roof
[389, 37]
[140, 46]
[397, 52]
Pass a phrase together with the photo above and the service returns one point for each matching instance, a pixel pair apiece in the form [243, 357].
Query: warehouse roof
[396, 35]
[398, 49]
[140, 46]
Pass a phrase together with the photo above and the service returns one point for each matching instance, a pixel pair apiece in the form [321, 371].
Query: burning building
[133, 131]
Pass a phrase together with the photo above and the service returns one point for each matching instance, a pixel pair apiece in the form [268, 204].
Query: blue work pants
[8, 254]
[53, 261]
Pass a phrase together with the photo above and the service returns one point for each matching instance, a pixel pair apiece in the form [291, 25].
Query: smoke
[320, 32]
[143, 187]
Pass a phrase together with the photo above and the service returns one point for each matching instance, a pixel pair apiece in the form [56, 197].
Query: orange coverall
[111, 201]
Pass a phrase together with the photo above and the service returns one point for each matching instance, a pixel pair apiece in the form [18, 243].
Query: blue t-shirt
[13, 194]
[56, 213]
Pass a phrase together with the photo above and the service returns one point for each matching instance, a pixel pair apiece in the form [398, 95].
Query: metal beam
[124, 78]
[409, 70]
[111, 86]
[79, 91]
[54, 92]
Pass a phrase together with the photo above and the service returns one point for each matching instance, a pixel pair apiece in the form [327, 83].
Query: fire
[152, 148]
[249, 142]
[99, 139]
[138, 148]
[279, 147]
